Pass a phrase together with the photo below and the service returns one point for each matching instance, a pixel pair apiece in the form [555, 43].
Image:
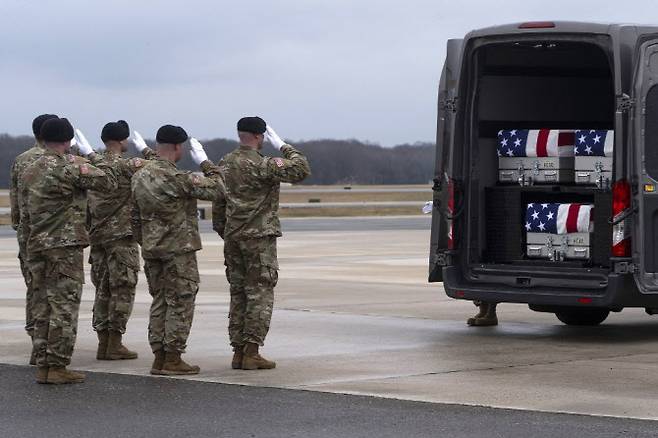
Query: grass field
[318, 195]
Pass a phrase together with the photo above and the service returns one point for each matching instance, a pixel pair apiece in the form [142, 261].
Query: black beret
[116, 131]
[56, 130]
[37, 123]
[255, 125]
[171, 134]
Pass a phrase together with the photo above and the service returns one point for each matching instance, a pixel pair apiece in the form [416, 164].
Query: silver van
[508, 96]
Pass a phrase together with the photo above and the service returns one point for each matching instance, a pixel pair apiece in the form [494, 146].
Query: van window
[651, 133]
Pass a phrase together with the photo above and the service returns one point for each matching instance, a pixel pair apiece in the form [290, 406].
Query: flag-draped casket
[535, 156]
[593, 156]
[559, 231]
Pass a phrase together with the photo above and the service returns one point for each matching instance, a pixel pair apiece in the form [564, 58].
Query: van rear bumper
[619, 292]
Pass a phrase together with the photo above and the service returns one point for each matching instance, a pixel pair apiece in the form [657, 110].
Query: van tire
[582, 317]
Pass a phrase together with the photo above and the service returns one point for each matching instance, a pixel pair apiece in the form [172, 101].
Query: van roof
[560, 27]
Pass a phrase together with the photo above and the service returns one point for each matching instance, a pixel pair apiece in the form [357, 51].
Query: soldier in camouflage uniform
[17, 169]
[486, 315]
[165, 223]
[247, 219]
[114, 255]
[53, 217]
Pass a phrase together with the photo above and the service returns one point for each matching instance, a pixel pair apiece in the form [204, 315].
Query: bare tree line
[332, 161]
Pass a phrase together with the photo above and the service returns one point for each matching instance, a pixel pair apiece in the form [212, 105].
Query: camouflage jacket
[19, 166]
[54, 199]
[109, 211]
[251, 206]
[164, 215]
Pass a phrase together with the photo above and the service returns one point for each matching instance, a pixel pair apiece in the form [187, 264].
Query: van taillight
[621, 233]
[451, 212]
[537, 25]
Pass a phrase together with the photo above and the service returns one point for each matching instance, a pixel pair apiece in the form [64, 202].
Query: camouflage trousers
[27, 276]
[57, 278]
[114, 268]
[251, 270]
[173, 284]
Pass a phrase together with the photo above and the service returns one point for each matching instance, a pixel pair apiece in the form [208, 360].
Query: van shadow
[605, 334]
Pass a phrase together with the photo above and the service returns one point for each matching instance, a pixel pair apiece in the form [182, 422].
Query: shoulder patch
[278, 161]
[84, 169]
[71, 158]
[137, 162]
[196, 180]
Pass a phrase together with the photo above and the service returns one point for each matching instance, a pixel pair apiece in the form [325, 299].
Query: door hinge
[625, 103]
[450, 105]
[625, 268]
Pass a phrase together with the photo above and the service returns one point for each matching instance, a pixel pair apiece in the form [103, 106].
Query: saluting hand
[139, 142]
[196, 151]
[273, 138]
[83, 145]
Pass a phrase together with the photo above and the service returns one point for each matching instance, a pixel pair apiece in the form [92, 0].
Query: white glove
[273, 138]
[197, 152]
[428, 207]
[83, 145]
[74, 141]
[139, 142]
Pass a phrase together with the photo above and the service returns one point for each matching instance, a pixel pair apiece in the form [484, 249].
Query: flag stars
[528, 227]
[503, 142]
[542, 226]
[597, 139]
[582, 139]
[510, 153]
[550, 216]
[544, 206]
[517, 142]
[513, 132]
[535, 215]
[588, 149]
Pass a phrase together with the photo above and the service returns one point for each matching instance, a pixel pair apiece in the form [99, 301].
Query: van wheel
[582, 317]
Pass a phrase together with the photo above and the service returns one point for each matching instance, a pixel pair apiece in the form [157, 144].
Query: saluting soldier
[165, 223]
[114, 255]
[53, 217]
[247, 219]
[20, 164]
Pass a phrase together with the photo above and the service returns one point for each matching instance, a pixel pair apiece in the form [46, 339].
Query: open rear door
[441, 238]
[645, 135]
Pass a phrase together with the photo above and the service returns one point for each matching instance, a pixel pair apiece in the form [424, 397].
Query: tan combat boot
[103, 336]
[60, 376]
[486, 317]
[238, 355]
[254, 361]
[158, 362]
[33, 356]
[175, 366]
[116, 350]
[42, 375]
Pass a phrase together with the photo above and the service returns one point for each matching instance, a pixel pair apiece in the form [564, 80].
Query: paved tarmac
[354, 315]
[114, 406]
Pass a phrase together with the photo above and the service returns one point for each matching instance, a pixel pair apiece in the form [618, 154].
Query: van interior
[533, 85]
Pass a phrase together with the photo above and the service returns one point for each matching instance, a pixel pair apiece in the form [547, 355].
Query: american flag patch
[279, 162]
[559, 218]
[535, 143]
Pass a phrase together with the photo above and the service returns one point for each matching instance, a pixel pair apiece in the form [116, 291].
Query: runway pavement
[354, 315]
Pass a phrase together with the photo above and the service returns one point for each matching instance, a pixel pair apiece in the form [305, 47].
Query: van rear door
[445, 142]
[645, 136]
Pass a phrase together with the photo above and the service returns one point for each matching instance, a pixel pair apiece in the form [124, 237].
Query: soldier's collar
[50, 151]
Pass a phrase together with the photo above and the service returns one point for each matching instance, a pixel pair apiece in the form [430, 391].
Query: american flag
[535, 143]
[595, 143]
[559, 218]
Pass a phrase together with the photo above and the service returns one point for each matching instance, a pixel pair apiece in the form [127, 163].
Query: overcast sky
[364, 69]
